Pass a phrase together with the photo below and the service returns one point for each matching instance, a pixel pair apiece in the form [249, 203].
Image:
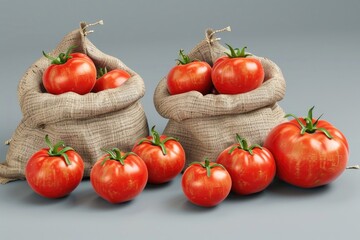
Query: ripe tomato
[189, 76]
[54, 172]
[81, 55]
[119, 177]
[163, 156]
[219, 60]
[252, 168]
[112, 79]
[206, 184]
[69, 72]
[308, 152]
[236, 73]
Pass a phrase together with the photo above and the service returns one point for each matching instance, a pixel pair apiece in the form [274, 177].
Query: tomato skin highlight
[249, 173]
[309, 160]
[51, 177]
[77, 75]
[194, 76]
[112, 79]
[119, 183]
[237, 75]
[162, 168]
[203, 190]
[219, 60]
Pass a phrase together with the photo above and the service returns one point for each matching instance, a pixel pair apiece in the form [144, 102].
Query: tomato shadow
[190, 207]
[99, 203]
[36, 199]
[88, 198]
[234, 197]
[278, 187]
[21, 191]
[180, 203]
[151, 186]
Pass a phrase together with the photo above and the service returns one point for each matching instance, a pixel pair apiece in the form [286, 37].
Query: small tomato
[113, 79]
[189, 76]
[164, 156]
[54, 172]
[69, 72]
[252, 168]
[206, 183]
[119, 177]
[237, 73]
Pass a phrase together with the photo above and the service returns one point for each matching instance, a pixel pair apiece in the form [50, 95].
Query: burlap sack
[207, 124]
[111, 118]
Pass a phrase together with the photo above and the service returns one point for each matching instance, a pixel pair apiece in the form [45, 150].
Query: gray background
[315, 43]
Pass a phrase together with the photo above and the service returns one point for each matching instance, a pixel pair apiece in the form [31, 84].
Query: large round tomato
[206, 184]
[252, 168]
[189, 76]
[237, 73]
[164, 156]
[119, 177]
[112, 79]
[308, 152]
[70, 72]
[54, 172]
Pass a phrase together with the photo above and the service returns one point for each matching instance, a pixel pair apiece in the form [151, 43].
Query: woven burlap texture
[110, 118]
[206, 124]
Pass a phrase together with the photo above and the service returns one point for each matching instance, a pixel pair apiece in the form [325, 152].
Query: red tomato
[163, 156]
[54, 172]
[236, 73]
[308, 152]
[81, 55]
[252, 168]
[219, 60]
[119, 177]
[73, 72]
[206, 184]
[112, 79]
[189, 76]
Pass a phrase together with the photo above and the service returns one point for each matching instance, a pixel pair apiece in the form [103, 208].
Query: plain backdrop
[315, 43]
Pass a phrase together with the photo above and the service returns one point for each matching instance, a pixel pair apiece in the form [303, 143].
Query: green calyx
[61, 58]
[183, 58]
[236, 52]
[310, 127]
[207, 166]
[55, 152]
[115, 154]
[155, 141]
[101, 72]
[243, 145]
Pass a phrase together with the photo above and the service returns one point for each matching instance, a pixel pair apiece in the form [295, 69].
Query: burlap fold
[207, 124]
[110, 118]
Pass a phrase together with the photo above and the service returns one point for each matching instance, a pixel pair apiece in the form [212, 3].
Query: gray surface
[316, 44]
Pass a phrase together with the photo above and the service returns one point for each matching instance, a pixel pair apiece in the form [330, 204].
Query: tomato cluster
[304, 152]
[117, 176]
[76, 72]
[234, 73]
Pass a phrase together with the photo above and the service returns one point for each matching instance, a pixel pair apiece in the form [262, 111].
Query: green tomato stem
[54, 149]
[61, 58]
[310, 127]
[183, 58]
[101, 72]
[243, 145]
[115, 154]
[156, 140]
[207, 166]
[236, 52]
